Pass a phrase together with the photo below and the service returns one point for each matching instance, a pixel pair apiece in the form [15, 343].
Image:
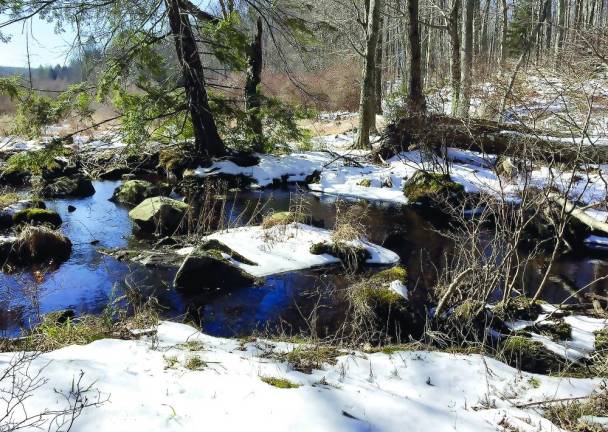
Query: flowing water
[90, 279]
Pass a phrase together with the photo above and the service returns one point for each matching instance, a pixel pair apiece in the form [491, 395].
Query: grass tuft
[281, 383]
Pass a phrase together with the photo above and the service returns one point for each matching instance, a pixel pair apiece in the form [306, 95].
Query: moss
[8, 199]
[529, 355]
[195, 363]
[352, 257]
[217, 246]
[534, 382]
[520, 307]
[601, 339]
[558, 331]
[37, 216]
[365, 183]
[389, 275]
[281, 383]
[430, 188]
[281, 218]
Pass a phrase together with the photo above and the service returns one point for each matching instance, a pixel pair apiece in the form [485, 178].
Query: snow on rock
[148, 388]
[294, 167]
[582, 343]
[399, 287]
[284, 248]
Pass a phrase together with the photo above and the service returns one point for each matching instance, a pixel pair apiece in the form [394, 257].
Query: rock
[71, 209]
[115, 173]
[36, 216]
[77, 186]
[37, 245]
[432, 189]
[60, 167]
[159, 214]
[6, 219]
[352, 257]
[209, 269]
[365, 183]
[133, 192]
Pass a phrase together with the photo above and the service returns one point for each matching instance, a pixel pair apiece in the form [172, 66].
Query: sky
[46, 47]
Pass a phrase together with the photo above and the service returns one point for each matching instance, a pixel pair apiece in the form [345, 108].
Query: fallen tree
[435, 131]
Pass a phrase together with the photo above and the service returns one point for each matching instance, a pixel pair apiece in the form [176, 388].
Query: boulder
[77, 186]
[133, 192]
[209, 269]
[432, 189]
[36, 216]
[36, 245]
[159, 214]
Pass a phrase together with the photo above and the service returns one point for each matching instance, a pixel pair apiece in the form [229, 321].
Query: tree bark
[367, 106]
[416, 101]
[206, 137]
[379, 65]
[455, 54]
[561, 23]
[252, 87]
[503, 36]
[466, 58]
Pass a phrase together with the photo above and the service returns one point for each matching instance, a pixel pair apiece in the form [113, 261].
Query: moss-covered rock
[432, 189]
[208, 269]
[8, 199]
[218, 246]
[133, 192]
[76, 186]
[365, 183]
[159, 214]
[529, 355]
[352, 257]
[36, 216]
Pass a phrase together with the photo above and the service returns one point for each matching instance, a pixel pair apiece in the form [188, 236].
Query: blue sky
[46, 47]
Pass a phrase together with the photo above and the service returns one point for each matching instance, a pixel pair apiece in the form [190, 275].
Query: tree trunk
[252, 87]
[367, 106]
[416, 102]
[379, 65]
[504, 35]
[455, 54]
[206, 137]
[561, 23]
[466, 59]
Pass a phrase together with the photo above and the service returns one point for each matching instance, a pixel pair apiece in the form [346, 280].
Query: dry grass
[350, 222]
[574, 415]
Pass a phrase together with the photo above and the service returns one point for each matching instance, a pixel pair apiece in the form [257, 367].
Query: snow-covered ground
[284, 248]
[148, 388]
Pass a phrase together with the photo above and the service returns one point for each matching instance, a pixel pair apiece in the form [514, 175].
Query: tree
[367, 104]
[466, 59]
[207, 139]
[416, 102]
[252, 87]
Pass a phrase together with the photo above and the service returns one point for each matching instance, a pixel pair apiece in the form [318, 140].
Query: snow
[284, 248]
[295, 167]
[407, 390]
[582, 343]
[399, 287]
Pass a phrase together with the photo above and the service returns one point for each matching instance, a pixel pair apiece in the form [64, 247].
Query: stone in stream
[78, 186]
[209, 269]
[432, 189]
[8, 213]
[133, 192]
[35, 245]
[36, 216]
[159, 214]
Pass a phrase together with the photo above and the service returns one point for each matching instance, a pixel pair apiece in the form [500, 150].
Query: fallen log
[435, 131]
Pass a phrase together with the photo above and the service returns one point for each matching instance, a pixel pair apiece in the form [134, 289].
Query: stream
[90, 279]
